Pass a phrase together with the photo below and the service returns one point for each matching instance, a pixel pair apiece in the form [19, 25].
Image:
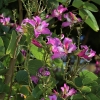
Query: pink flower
[97, 65]
[71, 19]
[57, 47]
[40, 27]
[35, 79]
[58, 12]
[43, 71]
[54, 41]
[68, 45]
[67, 92]
[23, 52]
[86, 54]
[53, 97]
[58, 52]
[61, 49]
[19, 29]
[4, 20]
[36, 43]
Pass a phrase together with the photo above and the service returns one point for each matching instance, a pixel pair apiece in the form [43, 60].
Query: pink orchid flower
[58, 12]
[19, 29]
[86, 54]
[71, 19]
[4, 20]
[43, 71]
[68, 45]
[53, 97]
[67, 92]
[35, 79]
[57, 47]
[61, 49]
[40, 27]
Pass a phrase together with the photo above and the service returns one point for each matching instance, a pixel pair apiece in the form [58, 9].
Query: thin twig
[20, 11]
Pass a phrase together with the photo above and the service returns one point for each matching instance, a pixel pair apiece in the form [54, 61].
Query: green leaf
[89, 19]
[86, 89]
[58, 62]
[38, 53]
[5, 28]
[19, 97]
[78, 81]
[95, 86]
[3, 70]
[12, 44]
[94, 83]
[24, 90]
[87, 74]
[2, 48]
[22, 77]
[96, 1]
[4, 88]
[20, 58]
[30, 98]
[93, 96]
[34, 65]
[90, 6]
[77, 3]
[87, 97]
[36, 92]
[87, 80]
[62, 1]
[5, 41]
[6, 12]
[77, 97]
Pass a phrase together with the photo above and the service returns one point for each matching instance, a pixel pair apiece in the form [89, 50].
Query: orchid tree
[36, 63]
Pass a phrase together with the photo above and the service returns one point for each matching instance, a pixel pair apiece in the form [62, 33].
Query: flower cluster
[4, 20]
[58, 12]
[61, 49]
[43, 71]
[66, 92]
[70, 18]
[40, 27]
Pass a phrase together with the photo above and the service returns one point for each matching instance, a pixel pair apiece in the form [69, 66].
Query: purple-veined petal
[36, 34]
[92, 53]
[54, 41]
[53, 97]
[34, 79]
[57, 55]
[71, 92]
[45, 31]
[72, 48]
[19, 29]
[65, 24]
[66, 87]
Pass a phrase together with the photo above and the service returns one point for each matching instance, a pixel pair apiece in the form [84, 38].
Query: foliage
[40, 58]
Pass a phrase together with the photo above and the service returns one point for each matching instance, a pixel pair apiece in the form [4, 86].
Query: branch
[10, 72]
[20, 11]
